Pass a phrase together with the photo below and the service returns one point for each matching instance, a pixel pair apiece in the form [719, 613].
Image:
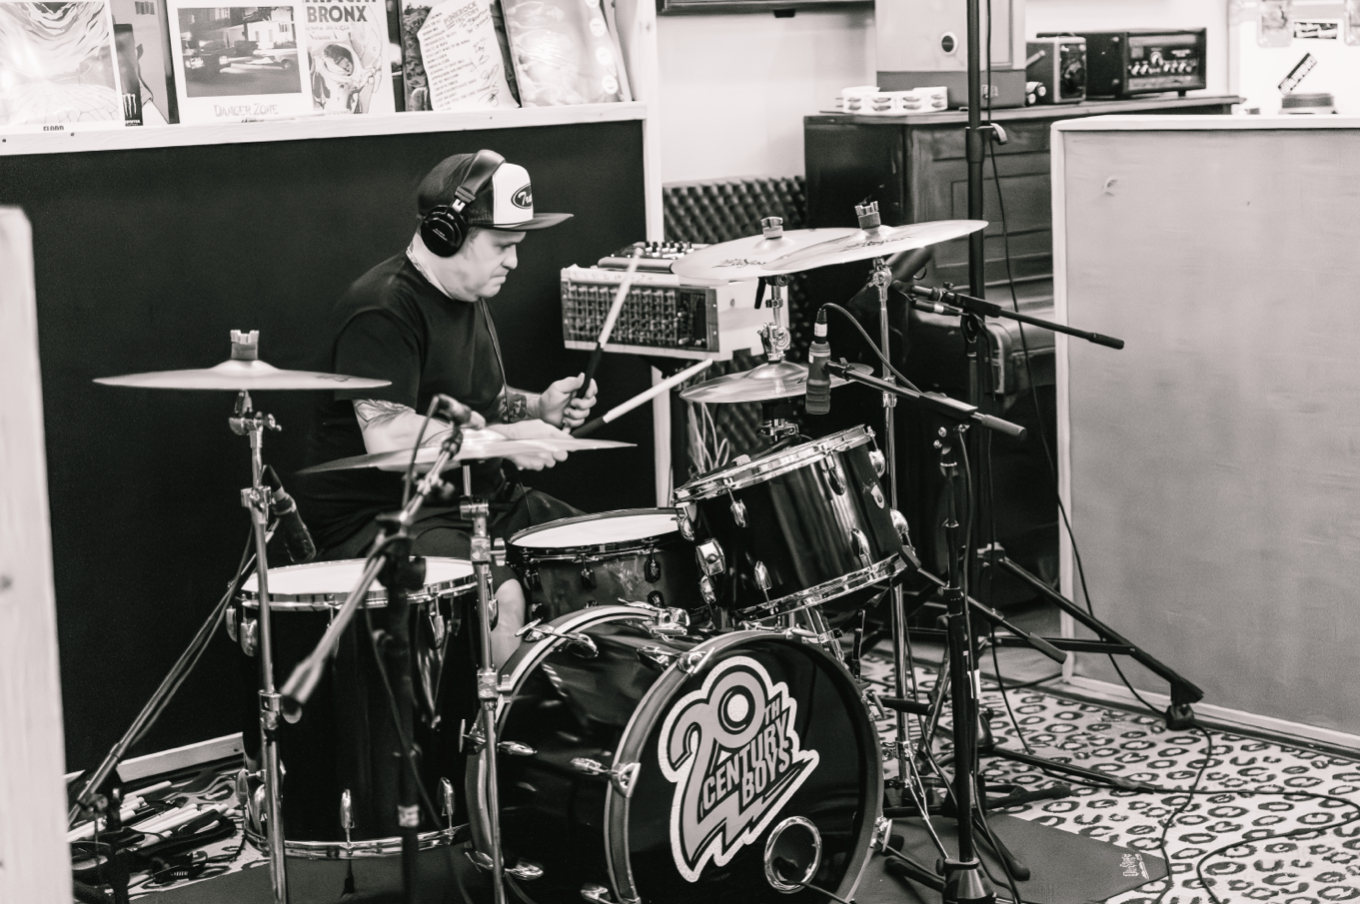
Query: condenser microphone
[297, 540]
[818, 399]
[451, 408]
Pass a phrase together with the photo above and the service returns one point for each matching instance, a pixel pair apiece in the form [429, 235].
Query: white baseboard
[1216, 716]
[166, 761]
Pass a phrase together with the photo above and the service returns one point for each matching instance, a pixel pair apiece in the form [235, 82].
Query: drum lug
[446, 801]
[684, 519]
[861, 544]
[346, 814]
[711, 559]
[250, 632]
[762, 577]
[525, 870]
[588, 766]
[738, 511]
[899, 522]
[651, 570]
[229, 622]
[659, 657]
[515, 748]
[692, 661]
[587, 575]
[596, 894]
[882, 834]
[624, 778]
[706, 591]
[531, 578]
[437, 627]
[834, 476]
[879, 461]
[876, 492]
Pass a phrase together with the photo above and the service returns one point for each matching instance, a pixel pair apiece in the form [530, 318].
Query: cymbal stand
[488, 688]
[775, 336]
[245, 421]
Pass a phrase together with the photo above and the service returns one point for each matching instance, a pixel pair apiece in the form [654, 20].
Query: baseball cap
[506, 201]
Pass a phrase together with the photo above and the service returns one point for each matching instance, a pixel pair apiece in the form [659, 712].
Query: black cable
[1024, 684]
[1015, 723]
[873, 346]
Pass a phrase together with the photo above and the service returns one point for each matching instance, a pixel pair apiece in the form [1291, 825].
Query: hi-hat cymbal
[238, 375]
[477, 444]
[765, 383]
[862, 244]
[746, 258]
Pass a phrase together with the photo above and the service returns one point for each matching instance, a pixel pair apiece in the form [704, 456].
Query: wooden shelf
[79, 140]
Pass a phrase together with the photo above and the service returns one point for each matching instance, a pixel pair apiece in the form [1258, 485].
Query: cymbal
[765, 383]
[745, 258]
[880, 241]
[477, 444]
[237, 375]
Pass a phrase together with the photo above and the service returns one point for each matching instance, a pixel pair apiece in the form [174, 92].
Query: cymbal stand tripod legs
[256, 498]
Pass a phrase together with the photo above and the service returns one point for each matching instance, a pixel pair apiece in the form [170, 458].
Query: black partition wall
[146, 259]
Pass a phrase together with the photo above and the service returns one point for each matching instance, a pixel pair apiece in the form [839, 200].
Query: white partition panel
[1213, 466]
[34, 863]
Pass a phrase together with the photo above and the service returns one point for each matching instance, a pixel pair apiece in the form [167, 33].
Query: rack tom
[808, 525]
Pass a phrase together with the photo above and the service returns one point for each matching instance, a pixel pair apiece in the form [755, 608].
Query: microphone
[907, 264]
[297, 540]
[818, 399]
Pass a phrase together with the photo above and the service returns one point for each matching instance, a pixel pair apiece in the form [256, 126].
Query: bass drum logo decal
[732, 753]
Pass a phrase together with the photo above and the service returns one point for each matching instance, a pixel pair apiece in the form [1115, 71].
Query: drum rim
[352, 850]
[882, 570]
[760, 470]
[375, 598]
[571, 553]
[617, 806]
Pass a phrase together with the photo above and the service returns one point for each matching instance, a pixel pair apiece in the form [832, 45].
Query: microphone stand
[964, 880]
[390, 559]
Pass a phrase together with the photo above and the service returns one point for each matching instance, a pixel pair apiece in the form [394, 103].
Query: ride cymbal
[746, 258]
[863, 244]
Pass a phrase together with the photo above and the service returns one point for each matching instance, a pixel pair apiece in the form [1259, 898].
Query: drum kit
[680, 722]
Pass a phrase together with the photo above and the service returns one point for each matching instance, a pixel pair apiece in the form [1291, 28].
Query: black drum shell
[345, 738]
[799, 524]
[610, 709]
[618, 572]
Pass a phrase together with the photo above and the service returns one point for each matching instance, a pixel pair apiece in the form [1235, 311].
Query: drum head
[607, 529]
[767, 730]
[331, 582]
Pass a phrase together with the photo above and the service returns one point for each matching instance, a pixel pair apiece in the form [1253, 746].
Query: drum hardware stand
[245, 421]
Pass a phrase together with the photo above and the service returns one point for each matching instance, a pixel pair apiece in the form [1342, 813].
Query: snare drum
[340, 788]
[798, 527]
[637, 765]
[631, 556]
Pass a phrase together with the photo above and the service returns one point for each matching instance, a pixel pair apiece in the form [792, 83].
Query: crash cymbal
[880, 241]
[765, 383]
[238, 375]
[477, 444]
[745, 258]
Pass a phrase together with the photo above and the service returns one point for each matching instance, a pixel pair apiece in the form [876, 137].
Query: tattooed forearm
[518, 405]
[375, 413]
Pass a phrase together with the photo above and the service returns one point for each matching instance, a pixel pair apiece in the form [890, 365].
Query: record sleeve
[564, 52]
[151, 29]
[454, 59]
[348, 46]
[58, 67]
[237, 63]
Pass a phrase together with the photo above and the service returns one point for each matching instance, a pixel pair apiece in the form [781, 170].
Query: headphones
[443, 228]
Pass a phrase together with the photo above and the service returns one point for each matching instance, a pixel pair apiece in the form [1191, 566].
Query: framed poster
[237, 63]
[680, 7]
[58, 66]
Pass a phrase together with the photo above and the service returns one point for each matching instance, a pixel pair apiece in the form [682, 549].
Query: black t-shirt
[394, 325]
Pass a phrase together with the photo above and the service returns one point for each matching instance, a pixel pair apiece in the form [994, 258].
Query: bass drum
[635, 765]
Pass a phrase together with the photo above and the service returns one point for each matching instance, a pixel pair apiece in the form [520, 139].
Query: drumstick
[618, 411]
[609, 321]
